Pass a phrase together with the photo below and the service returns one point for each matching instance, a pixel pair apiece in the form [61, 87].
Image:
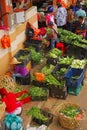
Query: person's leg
[68, 26]
[52, 43]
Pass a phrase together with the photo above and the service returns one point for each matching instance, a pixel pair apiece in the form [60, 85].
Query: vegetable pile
[35, 56]
[72, 38]
[66, 60]
[51, 80]
[80, 64]
[37, 91]
[47, 69]
[54, 53]
[61, 71]
[70, 111]
[21, 58]
[22, 55]
[36, 113]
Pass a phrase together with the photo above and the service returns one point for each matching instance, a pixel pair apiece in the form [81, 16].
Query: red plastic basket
[62, 47]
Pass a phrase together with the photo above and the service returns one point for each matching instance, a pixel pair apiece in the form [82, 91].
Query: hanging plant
[5, 41]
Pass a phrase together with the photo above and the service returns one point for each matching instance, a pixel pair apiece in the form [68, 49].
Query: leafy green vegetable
[78, 63]
[36, 113]
[70, 111]
[72, 38]
[66, 60]
[54, 53]
[61, 71]
[37, 91]
[35, 56]
[51, 80]
[47, 69]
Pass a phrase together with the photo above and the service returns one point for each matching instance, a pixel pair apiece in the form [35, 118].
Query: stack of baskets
[66, 121]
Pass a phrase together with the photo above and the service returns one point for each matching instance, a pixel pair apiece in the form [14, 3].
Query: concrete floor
[52, 103]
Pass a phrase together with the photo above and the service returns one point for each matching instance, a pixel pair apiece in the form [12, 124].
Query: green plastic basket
[74, 90]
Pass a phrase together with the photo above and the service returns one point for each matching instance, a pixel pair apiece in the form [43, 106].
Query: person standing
[54, 35]
[75, 8]
[50, 15]
[70, 18]
[61, 15]
[80, 12]
[80, 27]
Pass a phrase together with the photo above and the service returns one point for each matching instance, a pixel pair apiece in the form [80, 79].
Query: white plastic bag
[30, 128]
[42, 127]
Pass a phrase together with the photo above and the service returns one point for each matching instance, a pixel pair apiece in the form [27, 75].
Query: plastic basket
[57, 68]
[37, 44]
[25, 80]
[74, 77]
[39, 84]
[74, 90]
[23, 53]
[33, 64]
[52, 61]
[80, 54]
[47, 114]
[60, 93]
[41, 98]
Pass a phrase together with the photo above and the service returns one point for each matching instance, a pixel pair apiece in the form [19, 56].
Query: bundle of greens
[54, 53]
[66, 60]
[80, 64]
[35, 56]
[70, 111]
[37, 91]
[35, 112]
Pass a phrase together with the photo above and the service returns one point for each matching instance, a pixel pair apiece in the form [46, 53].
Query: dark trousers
[63, 27]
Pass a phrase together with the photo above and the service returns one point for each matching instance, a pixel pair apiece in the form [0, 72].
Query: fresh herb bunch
[37, 91]
[35, 56]
[70, 111]
[35, 112]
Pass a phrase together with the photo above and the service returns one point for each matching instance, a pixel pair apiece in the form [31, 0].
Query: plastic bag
[42, 127]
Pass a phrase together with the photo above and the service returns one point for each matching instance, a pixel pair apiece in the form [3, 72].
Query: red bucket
[62, 47]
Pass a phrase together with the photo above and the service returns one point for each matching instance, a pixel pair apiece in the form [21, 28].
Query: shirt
[49, 17]
[80, 12]
[75, 8]
[70, 16]
[79, 26]
[61, 16]
[82, 27]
